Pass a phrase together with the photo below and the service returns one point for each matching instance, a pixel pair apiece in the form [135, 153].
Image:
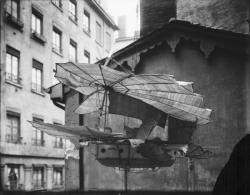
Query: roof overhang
[102, 13]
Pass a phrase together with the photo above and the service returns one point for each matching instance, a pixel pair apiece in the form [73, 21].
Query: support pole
[81, 150]
[81, 168]
[126, 179]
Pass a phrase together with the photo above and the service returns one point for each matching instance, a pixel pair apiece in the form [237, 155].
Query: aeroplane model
[150, 98]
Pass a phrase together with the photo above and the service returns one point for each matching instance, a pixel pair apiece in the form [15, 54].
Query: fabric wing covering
[101, 84]
[74, 133]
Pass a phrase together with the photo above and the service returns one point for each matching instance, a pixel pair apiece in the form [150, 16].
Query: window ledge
[74, 21]
[98, 43]
[14, 84]
[87, 32]
[40, 38]
[38, 93]
[56, 52]
[13, 21]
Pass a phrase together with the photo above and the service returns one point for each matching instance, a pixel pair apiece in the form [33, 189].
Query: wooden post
[81, 168]
[126, 179]
[81, 151]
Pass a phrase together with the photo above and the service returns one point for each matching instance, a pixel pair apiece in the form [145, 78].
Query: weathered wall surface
[155, 13]
[223, 14]
[221, 79]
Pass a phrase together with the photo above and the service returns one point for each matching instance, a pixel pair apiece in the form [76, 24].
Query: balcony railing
[15, 139]
[38, 142]
[13, 21]
[13, 78]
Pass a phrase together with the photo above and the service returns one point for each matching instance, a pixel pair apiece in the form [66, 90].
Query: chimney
[155, 13]
[122, 26]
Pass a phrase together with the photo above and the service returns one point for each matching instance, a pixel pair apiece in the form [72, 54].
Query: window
[98, 33]
[57, 3]
[73, 51]
[108, 41]
[37, 70]
[86, 21]
[13, 128]
[58, 142]
[12, 64]
[86, 57]
[12, 8]
[37, 20]
[12, 14]
[58, 176]
[57, 40]
[38, 177]
[13, 177]
[72, 10]
[38, 137]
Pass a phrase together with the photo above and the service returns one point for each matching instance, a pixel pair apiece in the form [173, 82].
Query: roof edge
[102, 13]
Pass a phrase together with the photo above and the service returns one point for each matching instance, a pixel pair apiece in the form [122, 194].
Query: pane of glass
[33, 75]
[15, 125]
[15, 66]
[57, 40]
[34, 134]
[54, 38]
[8, 6]
[39, 77]
[39, 135]
[33, 25]
[38, 22]
[8, 63]
[14, 9]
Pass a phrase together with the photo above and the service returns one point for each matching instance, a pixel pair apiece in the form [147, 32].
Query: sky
[124, 7]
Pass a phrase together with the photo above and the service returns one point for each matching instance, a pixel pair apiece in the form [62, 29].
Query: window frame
[87, 55]
[38, 66]
[73, 16]
[35, 140]
[58, 32]
[10, 137]
[17, 8]
[14, 166]
[37, 15]
[57, 169]
[35, 179]
[86, 14]
[108, 42]
[97, 33]
[13, 53]
[57, 5]
[73, 44]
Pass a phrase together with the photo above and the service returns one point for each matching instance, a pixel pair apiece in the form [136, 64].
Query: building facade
[34, 36]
